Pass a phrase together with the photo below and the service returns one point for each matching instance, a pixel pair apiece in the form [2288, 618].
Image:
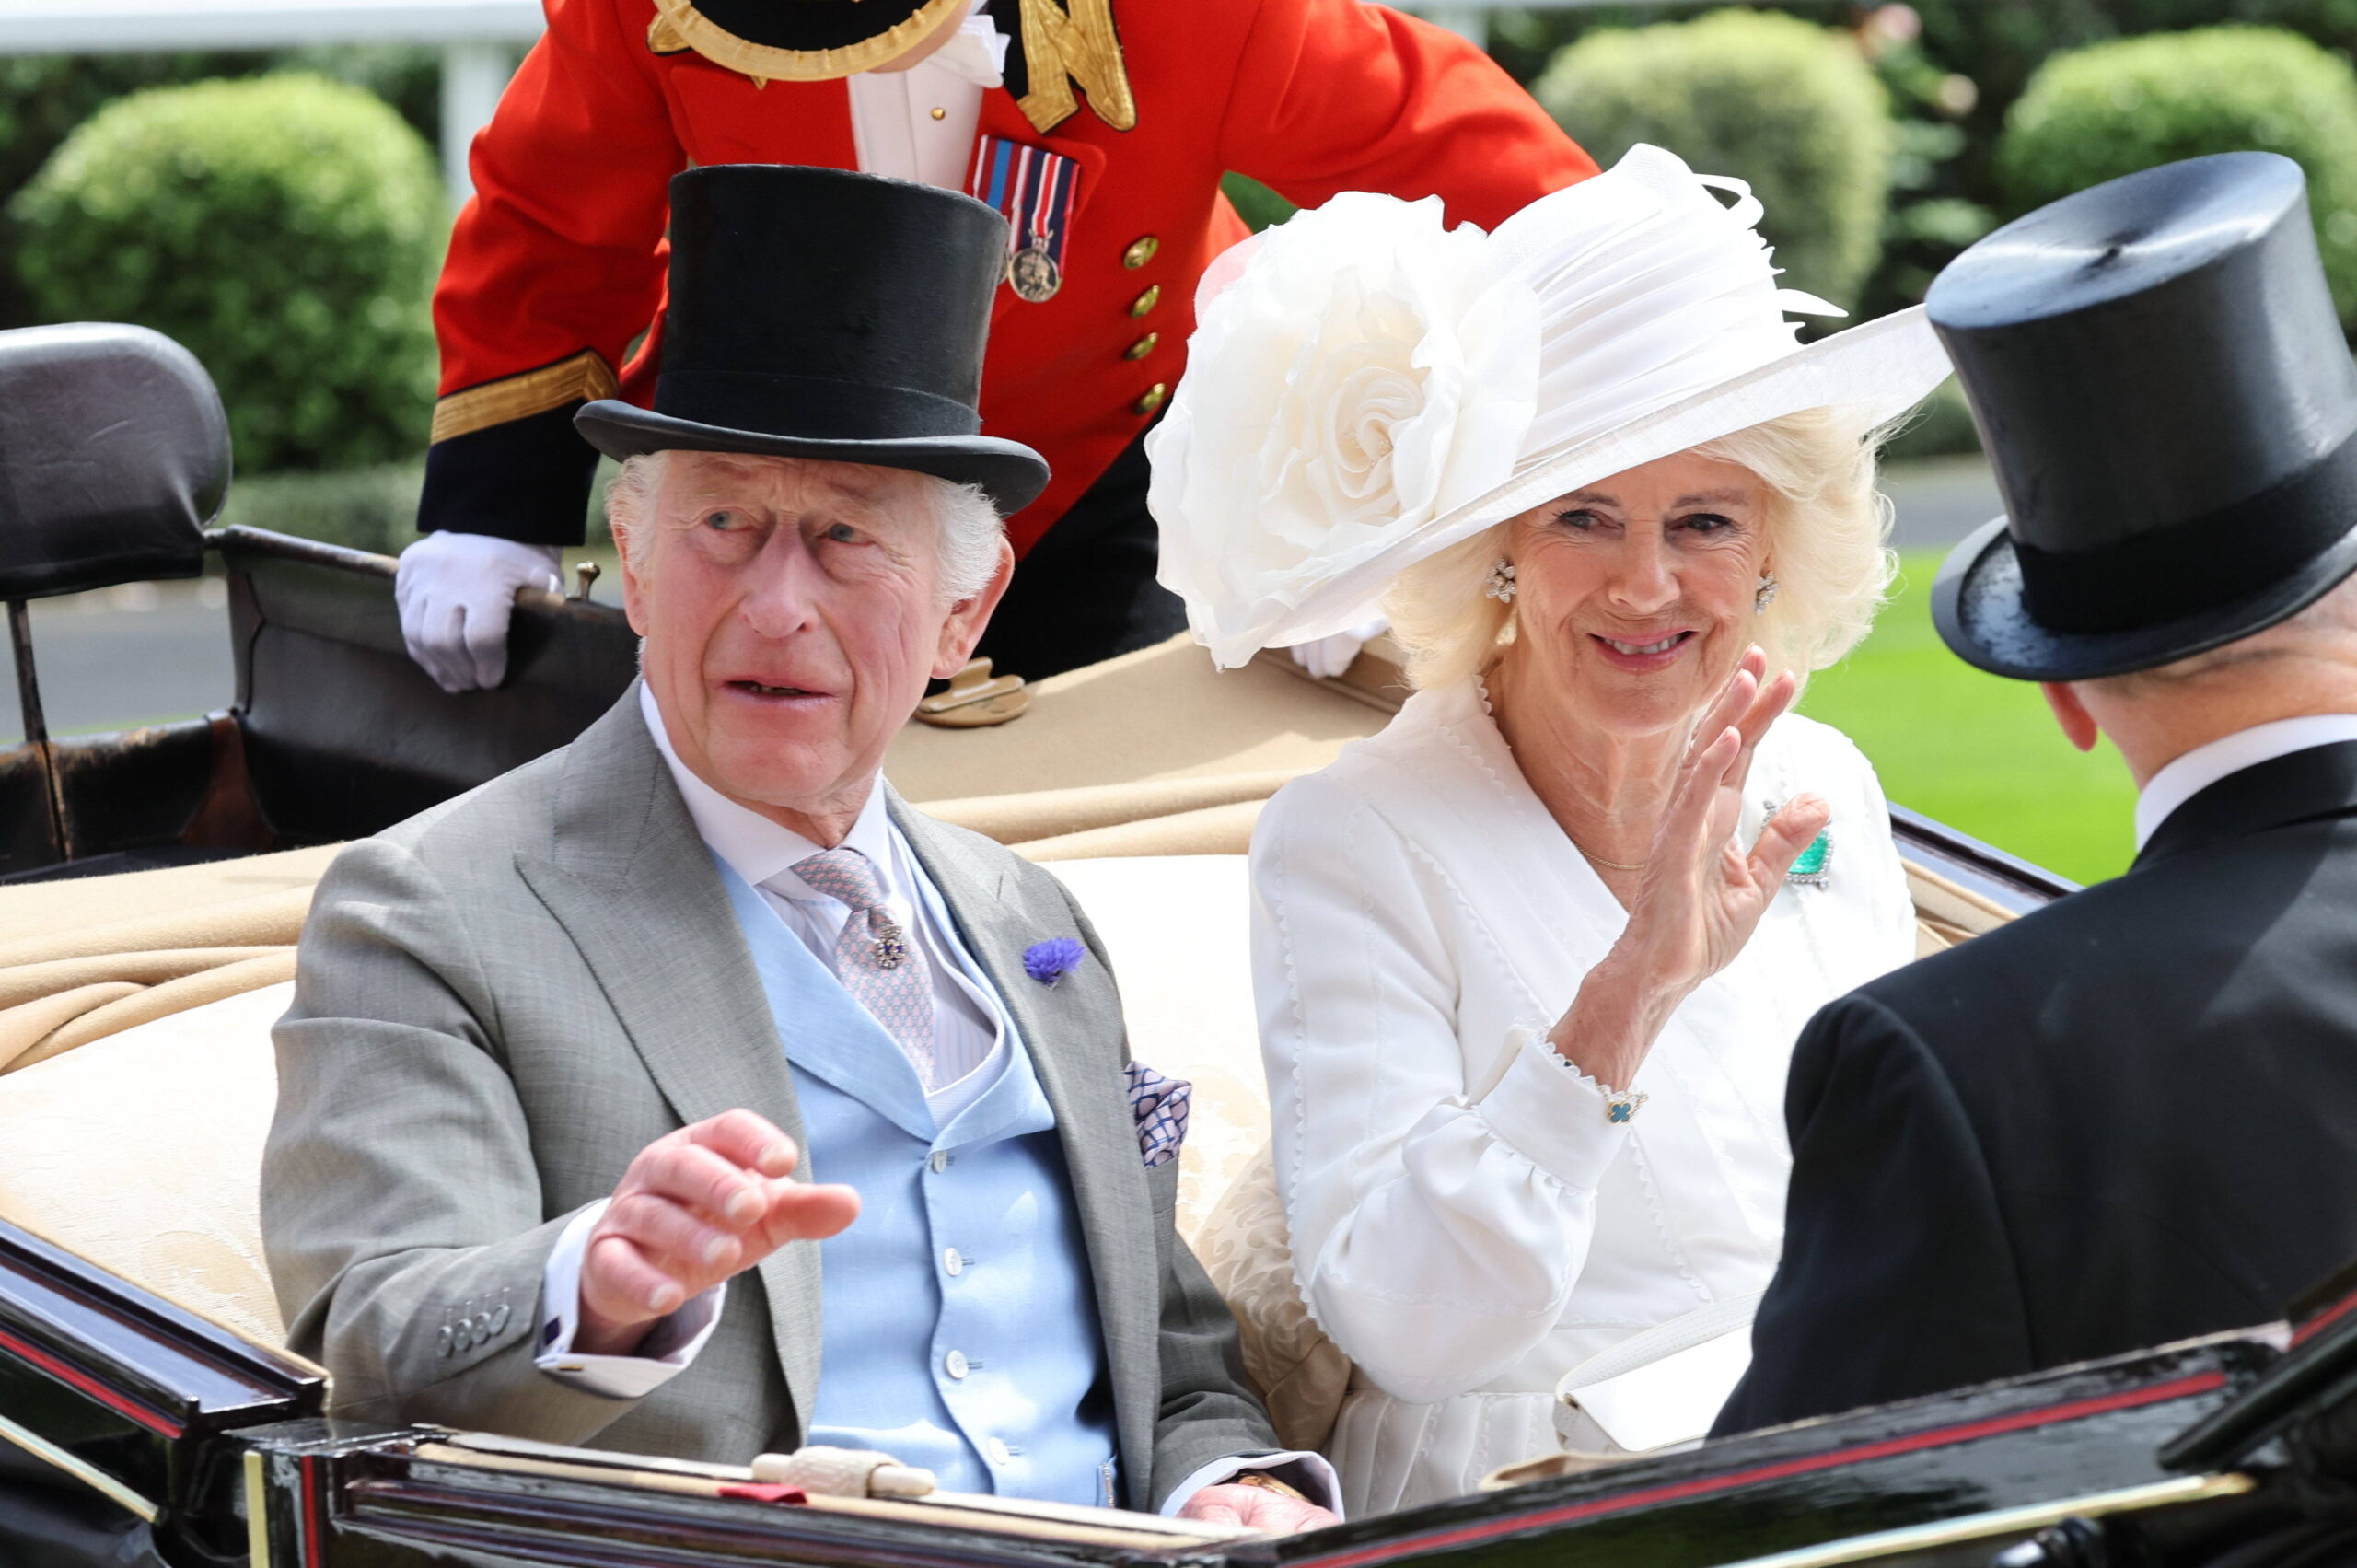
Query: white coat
[1466, 1223]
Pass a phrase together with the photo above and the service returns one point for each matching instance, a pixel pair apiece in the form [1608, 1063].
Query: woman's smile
[1642, 657]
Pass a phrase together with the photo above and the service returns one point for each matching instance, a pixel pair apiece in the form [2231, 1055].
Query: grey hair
[1827, 527]
[969, 527]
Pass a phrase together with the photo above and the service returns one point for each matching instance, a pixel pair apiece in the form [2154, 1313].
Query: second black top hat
[815, 313]
[2160, 380]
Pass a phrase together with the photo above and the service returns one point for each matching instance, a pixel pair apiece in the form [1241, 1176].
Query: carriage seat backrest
[114, 454]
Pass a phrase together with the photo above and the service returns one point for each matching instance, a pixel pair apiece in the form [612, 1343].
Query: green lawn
[1980, 754]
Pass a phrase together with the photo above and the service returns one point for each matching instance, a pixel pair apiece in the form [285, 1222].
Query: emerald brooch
[1815, 866]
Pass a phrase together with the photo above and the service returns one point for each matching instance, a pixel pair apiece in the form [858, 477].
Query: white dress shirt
[2188, 775]
[919, 124]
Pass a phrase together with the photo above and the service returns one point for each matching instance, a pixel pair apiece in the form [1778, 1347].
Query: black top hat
[815, 313]
[2160, 378]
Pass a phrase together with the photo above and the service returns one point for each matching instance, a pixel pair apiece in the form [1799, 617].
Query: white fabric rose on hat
[1354, 373]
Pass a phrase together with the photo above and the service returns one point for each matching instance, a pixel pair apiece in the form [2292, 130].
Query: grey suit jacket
[499, 1002]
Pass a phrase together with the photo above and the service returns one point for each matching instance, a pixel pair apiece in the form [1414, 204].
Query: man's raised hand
[696, 1207]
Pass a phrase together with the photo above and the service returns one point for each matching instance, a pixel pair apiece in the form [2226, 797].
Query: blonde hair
[1827, 527]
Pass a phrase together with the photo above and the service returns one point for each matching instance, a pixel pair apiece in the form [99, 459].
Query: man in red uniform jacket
[1102, 137]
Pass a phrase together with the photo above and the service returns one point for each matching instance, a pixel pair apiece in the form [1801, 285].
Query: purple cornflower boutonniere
[1049, 962]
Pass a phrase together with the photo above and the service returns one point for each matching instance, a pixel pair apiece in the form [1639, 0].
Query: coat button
[940, 1161]
[1141, 251]
[953, 1263]
[954, 1363]
[1153, 398]
[442, 1340]
[499, 1320]
[482, 1328]
[1143, 347]
[1146, 301]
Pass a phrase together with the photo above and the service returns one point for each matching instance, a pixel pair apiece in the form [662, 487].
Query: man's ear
[967, 618]
[634, 590]
[2070, 712]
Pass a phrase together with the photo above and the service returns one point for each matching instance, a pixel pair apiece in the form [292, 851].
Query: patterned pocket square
[1159, 1104]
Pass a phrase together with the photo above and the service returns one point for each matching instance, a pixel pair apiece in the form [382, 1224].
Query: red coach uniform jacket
[556, 268]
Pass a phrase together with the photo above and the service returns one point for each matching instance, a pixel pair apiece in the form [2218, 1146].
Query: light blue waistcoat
[959, 1328]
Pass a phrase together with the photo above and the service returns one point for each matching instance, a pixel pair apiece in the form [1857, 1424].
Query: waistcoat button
[940, 1161]
[952, 1262]
[954, 1363]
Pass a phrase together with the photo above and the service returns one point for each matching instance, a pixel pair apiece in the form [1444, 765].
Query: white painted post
[473, 75]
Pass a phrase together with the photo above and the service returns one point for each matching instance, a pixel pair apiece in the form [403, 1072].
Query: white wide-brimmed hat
[1365, 388]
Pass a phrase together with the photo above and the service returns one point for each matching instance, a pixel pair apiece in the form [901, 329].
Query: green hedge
[2112, 109]
[1769, 99]
[285, 229]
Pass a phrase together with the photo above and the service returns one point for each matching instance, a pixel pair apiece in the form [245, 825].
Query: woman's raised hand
[1700, 894]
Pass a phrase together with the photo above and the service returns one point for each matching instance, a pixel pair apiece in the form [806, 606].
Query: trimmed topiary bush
[1781, 103]
[285, 229]
[2112, 109]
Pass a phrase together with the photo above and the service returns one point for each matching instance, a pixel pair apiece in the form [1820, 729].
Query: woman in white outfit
[1532, 962]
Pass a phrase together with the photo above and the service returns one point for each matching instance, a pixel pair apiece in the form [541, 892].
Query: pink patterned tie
[879, 964]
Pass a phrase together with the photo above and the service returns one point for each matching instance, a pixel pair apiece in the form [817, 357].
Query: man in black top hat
[558, 1047]
[2131, 1117]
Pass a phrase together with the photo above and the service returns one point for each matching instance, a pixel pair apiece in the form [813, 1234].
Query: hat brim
[1010, 473]
[1980, 613]
[1881, 368]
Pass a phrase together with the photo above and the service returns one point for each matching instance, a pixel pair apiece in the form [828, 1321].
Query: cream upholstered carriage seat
[142, 1151]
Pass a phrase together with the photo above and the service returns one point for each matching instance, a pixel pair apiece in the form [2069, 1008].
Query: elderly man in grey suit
[558, 1045]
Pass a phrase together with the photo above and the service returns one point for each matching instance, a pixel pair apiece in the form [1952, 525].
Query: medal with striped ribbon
[1033, 188]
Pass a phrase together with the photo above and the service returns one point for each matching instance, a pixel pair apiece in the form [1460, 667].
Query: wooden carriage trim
[2325, 1319]
[2002, 1522]
[314, 1537]
[122, 1404]
[1936, 1437]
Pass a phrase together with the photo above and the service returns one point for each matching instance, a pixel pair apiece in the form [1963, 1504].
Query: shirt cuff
[669, 1348]
[1308, 1474]
[1551, 1113]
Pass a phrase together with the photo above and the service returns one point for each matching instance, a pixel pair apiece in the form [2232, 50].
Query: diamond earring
[1501, 583]
[1766, 594]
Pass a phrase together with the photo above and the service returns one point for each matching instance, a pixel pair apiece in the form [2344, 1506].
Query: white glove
[1327, 657]
[455, 593]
